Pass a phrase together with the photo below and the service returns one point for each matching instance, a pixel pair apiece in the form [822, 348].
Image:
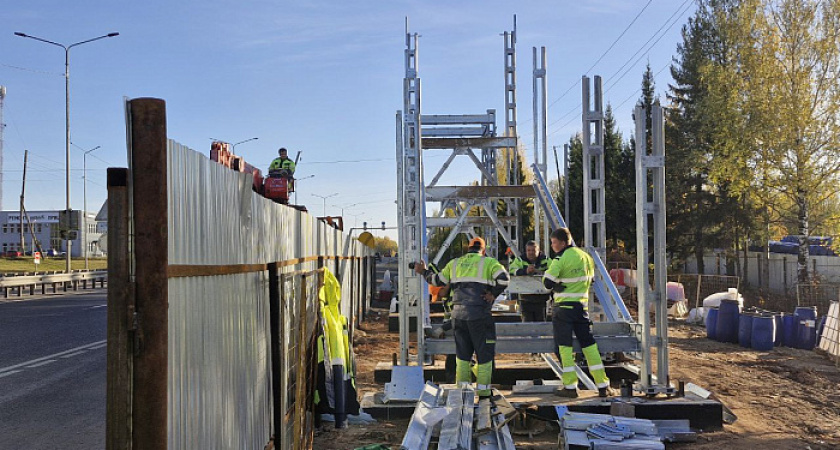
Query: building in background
[45, 227]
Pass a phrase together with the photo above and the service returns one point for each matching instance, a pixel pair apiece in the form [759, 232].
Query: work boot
[567, 393]
[606, 392]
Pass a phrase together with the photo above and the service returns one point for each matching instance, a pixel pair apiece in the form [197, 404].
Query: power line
[678, 13]
[566, 92]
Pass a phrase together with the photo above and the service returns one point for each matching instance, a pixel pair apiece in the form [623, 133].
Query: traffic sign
[36, 257]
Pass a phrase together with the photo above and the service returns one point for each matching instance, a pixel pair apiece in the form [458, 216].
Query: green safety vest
[280, 163]
[542, 264]
[575, 269]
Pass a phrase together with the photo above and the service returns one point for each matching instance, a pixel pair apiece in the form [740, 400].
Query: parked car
[51, 252]
[12, 254]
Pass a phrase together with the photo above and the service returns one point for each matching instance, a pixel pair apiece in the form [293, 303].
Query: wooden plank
[120, 301]
[180, 271]
[276, 351]
[450, 428]
[149, 190]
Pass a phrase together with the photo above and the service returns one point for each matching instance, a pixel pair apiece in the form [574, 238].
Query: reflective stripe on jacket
[570, 275]
[470, 277]
[280, 163]
[519, 266]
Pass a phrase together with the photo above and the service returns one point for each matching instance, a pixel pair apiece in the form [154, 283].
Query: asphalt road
[52, 372]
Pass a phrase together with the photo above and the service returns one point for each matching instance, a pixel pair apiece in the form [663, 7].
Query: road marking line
[9, 373]
[43, 363]
[73, 354]
[98, 346]
[54, 355]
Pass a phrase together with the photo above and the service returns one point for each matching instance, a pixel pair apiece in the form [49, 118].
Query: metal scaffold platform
[491, 208]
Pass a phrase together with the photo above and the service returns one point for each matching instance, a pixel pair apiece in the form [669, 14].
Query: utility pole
[22, 191]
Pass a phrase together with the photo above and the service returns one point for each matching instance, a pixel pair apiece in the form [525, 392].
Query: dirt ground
[784, 399]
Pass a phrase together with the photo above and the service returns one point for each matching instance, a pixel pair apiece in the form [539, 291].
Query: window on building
[37, 227]
[5, 228]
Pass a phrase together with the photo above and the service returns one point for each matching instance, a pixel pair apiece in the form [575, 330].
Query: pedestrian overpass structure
[492, 207]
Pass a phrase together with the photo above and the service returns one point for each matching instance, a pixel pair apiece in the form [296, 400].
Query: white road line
[72, 354]
[43, 363]
[54, 355]
[98, 346]
[4, 374]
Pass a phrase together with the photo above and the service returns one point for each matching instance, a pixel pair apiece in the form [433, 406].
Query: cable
[678, 13]
[675, 14]
[603, 54]
[349, 161]
[32, 70]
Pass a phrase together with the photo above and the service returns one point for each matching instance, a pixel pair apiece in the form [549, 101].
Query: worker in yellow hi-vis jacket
[476, 280]
[568, 277]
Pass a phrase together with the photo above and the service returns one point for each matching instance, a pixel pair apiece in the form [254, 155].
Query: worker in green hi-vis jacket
[569, 277]
[475, 281]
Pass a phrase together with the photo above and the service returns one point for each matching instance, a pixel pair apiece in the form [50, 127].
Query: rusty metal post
[120, 304]
[148, 182]
[276, 352]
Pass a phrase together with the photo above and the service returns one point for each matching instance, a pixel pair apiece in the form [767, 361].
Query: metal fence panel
[220, 393]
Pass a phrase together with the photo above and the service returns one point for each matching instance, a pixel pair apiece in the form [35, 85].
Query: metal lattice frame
[650, 211]
[594, 189]
[463, 135]
[410, 204]
[540, 101]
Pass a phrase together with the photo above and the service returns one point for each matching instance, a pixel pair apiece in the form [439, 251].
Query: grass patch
[25, 264]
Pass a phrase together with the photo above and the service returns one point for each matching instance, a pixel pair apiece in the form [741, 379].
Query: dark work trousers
[570, 317]
[475, 336]
[532, 311]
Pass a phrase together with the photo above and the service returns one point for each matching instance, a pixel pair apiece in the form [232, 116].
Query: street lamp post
[343, 207]
[67, 118]
[233, 146]
[298, 180]
[325, 200]
[84, 223]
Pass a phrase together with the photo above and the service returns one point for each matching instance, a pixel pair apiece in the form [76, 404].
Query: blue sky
[320, 77]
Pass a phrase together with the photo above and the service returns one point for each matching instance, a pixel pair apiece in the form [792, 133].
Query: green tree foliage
[698, 208]
[780, 79]
[384, 245]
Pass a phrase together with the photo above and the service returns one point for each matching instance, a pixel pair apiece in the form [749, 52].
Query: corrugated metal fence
[220, 372]
[222, 241]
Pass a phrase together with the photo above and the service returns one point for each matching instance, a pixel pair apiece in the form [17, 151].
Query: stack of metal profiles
[454, 418]
[606, 432]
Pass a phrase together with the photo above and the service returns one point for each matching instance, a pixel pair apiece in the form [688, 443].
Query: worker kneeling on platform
[568, 277]
[475, 281]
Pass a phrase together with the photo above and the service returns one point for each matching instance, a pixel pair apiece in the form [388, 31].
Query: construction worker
[569, 277]
[283, 163]
[475, 281]
[534, 262]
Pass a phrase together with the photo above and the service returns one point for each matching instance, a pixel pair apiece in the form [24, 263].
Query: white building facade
[44, 227]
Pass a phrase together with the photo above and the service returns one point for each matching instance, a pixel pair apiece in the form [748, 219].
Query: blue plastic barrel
[745, 329]
[763, 332]
[806, 327]
[727, 321]
[711, 323]
[789, 332]
[779, 329]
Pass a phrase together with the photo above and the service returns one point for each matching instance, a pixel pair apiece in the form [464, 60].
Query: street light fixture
[324, 197]
[84, 208]
[298, 180]
[67, 117]
[233, 146]
[344, 207]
